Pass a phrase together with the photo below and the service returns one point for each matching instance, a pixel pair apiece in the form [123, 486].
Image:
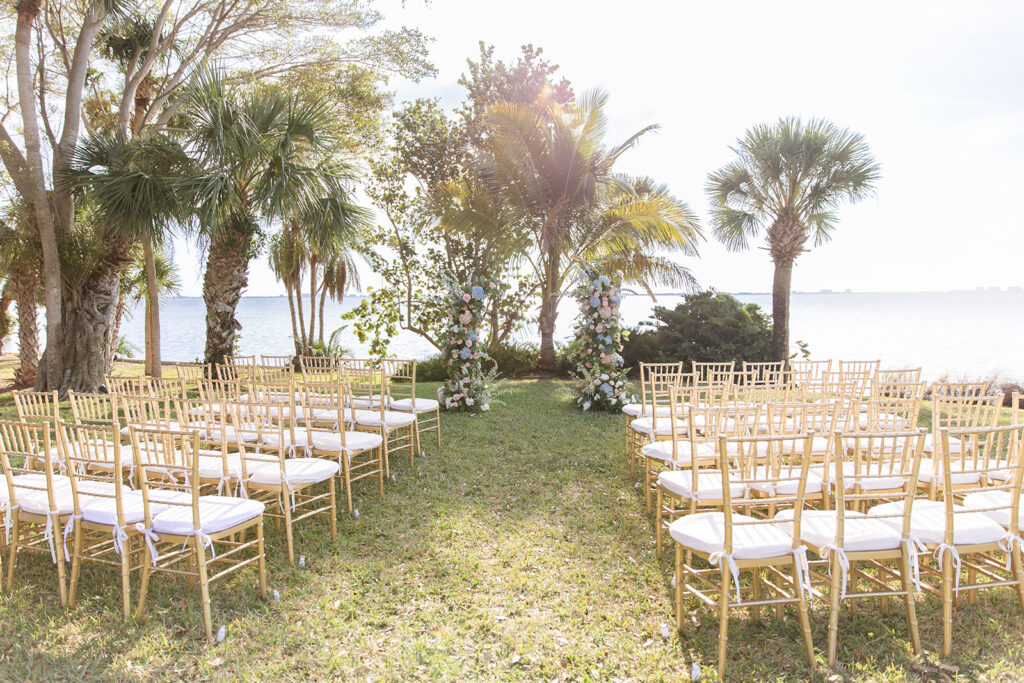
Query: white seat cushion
[870, 481]
[709, 485]
[787, 482]
[705, 532]
[632, 409]
[229, 436]
[860, 532]
[423, 405]
[300, 439]
[216, 513]
[645, 425]
[211, 465]
[392, 419]
[30, 485]
[955, 445]
[928, 522]
[994, 499]
[929, 472]
[819, 445]
[37, 502]
[354, 441]
[173, 425]
[662, 450]
[297, 471]
[104, 510]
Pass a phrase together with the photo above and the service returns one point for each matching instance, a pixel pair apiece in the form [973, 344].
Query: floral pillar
[468, 384]
[600, 377]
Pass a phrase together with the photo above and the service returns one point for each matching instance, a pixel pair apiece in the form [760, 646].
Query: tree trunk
[312, 301]
[26, 290]
[291, 310]
[28, 11]
[152, 312]
[780, 309]
[323, 299]
[227, 274]
[115, 336]
[90, 309]
[548, 315]
[303, 349]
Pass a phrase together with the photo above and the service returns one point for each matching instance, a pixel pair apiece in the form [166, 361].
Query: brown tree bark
[780, 309]
[227, 274]
[152, 311]
[26, 289]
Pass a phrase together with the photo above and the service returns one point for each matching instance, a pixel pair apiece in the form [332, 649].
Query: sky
[935, 88]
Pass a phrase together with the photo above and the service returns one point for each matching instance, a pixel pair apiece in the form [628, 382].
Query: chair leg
[437, 427]
[126, 570]
[910, 600]
[647, 485]
[805, 622]
[381, 471]
[61, 569]
[12, 548]
[947, 604]
[76, 567]
[755, 583]
[333, 510]
[833, 618]
[347, 474]
[289, 533]
[262, 562]
[723, 620]
[204, 586]
[657, 523]
[140, 609]
[679, 587]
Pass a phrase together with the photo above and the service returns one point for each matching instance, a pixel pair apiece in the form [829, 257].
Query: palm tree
[19, 262]
[787, 182]
[264, 156]
[131, 185]
[556, 196]
[135, 287]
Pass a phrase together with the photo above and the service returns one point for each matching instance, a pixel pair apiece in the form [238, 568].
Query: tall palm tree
[137, 283]
[787, 182]
[555, 194]
[19, 261]
[264, 156]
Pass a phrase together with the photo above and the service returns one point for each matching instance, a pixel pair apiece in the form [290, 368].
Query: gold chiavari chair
[793, 419]
[277, 361]
[975, 527]
[240, 360]
[713, 373]
[360, 454]
[273, 373]
[954, 413]
[242, 372]
[179, 532]
[869, 366]
[38, 407]
[771, 372]
[171, 387]
[37, 502]
[97, 409]
[191, 373]
[286, 485]
[102, 526]
[850, 540]
[906, 376]
[733, 540]
[219, 457]
[944, 389]
[220, 389]
[319, 368]
[401, 388]
[811, 375]
[891, 413]
[123, 386]
[655, 381]
[397, 428]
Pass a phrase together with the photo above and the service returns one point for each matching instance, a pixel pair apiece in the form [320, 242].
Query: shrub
[515, 359]
[706, 327]
[433, 369]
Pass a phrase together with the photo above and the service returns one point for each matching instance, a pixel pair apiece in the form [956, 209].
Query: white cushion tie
[802, 571]
[48, 535]
[151, 539]
[205, 541]
[940, 551]
[1007, 544]
[914, 548]
[734, 570]
[844, 564]
[8, 523]
[120, 535]
[68, 528]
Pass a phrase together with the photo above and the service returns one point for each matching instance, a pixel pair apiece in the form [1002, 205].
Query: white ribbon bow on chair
[68, 528]
[1007, 543]
[802, 571]
[844, 564]
[151, 539]
[734, 570]
[914, 548]
[957, 565]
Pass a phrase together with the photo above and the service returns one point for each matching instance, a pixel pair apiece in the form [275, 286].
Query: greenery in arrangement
[599, 374]
[704, 327]
[469, 385]
[787, 183]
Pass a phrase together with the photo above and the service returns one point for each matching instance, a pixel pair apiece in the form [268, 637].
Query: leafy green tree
[787, 183]
[705, 327]
[19, 264]
[557, 198]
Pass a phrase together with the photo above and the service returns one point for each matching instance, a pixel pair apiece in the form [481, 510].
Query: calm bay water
[960, 333]
[977, 333]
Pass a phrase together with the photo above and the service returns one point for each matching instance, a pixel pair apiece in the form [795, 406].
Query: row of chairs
[735, 470]
[151, 476]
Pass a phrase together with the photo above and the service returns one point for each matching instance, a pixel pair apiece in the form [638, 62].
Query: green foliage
[125, 348]
[332, 348]
[375, 320]
[707, 326]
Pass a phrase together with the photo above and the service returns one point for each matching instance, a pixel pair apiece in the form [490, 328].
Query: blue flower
[604, 280]
[595, 302]
[465, 353]
[606, 388]
[477, 292]
[471, 335]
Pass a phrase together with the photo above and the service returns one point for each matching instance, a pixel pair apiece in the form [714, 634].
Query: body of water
[977, 333]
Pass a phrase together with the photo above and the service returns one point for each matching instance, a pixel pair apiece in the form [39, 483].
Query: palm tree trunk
[301, 337]
[26, 289]
[291, 310]
[115, 336]
[548, 315]
[153, 364]
[323, 298]
[312, 301]
[28, 11]
[227, 274]
[89, 313]
[780, 309]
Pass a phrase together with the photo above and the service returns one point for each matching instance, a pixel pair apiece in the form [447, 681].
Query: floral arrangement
[600, 377]
[469, 385]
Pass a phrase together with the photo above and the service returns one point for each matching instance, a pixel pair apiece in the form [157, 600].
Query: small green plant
[125, 348]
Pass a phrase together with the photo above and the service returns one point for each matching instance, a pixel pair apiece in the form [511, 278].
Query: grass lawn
[519, 551]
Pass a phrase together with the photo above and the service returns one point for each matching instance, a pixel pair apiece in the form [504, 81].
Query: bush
[705, 327]
[515, 359]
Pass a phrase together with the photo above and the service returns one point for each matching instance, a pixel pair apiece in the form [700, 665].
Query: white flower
[586, 405]
[604, 377]
[484, 407]
[470, 401]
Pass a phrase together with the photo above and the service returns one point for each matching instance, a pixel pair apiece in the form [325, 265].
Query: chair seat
[869, 481]
[423, 405]
[709, 485]
[216, 513]
[639, 410]
[300, 439]
[993, 499]
[297, 471]
[392, 419]
[705, 532]
[30, 484]
[861, 532]
[354, 441]
[211, 465]
[645, 425]
[173, 425]
[787, 481]
[229, 436]
[104, 510]
[819, 445]
[928, 522]
[662, 450]
[929, 472]
[37, 502]
[956, 446]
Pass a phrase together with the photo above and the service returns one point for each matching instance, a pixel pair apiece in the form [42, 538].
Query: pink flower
[599, 328]
[590, 350]
[455, 404]
[589, 364]
[469, 342]
[597, 382]
[466, 297]
[455, 354]
[475, 356]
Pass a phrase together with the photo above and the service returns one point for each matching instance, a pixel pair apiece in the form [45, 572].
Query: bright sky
[935, 87]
